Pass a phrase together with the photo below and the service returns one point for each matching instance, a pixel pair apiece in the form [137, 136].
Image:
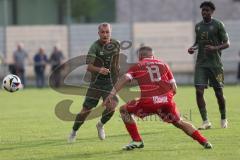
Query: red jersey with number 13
[153, 76]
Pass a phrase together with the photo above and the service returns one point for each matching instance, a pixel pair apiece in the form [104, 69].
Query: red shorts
[163, 106]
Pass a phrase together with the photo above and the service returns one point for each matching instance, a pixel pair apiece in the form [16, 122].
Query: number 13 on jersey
[154, 73]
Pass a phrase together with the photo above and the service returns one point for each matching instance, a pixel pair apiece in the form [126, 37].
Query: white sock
[100, 123]
[74, 132]
[206, 121]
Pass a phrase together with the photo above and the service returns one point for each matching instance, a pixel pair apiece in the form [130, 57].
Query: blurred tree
[93, 10]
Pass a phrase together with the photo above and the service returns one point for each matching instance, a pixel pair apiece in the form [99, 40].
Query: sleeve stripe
[172, 81]
[129, 76]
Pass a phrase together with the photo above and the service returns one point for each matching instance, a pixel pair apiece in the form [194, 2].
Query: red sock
[199, 137]
[133, 131]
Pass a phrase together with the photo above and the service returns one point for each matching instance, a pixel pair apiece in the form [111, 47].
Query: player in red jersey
[158, 87]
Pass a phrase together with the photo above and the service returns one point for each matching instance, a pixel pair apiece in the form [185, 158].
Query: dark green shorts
[96, 90]
[213, 77]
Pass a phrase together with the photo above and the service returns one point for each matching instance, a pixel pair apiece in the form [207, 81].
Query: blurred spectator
[56, 59]
[19, 58]
[238, 74]
[40, 61]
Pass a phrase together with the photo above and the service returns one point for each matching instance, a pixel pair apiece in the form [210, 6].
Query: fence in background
[170, 41]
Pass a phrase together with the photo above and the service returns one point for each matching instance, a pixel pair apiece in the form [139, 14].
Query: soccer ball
[11, 83]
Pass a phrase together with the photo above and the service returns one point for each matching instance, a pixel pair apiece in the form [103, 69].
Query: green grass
[29, 130]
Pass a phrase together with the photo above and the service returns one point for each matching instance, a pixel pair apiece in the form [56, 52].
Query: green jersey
[105, 56]
[212, 33]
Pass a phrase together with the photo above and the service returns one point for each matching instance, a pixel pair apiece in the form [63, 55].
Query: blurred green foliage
[93, 10]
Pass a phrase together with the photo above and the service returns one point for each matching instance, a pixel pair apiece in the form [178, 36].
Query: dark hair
[145, 51]
[208, 4]
[145, 48]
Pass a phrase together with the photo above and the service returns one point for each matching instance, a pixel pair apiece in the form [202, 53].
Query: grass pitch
[30, 130]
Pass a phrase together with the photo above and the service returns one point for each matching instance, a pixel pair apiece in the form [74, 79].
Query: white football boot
[224, 123]
[205, 125]
[100, 129]
[72, 137]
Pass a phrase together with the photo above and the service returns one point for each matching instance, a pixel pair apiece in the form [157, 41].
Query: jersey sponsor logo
[160, 99]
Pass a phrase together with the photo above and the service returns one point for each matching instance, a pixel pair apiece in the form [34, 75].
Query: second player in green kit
[211, 39]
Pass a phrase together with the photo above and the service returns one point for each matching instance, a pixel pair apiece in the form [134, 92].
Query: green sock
[106, 116]
[223, 112]
[78, 122]
[203, 113]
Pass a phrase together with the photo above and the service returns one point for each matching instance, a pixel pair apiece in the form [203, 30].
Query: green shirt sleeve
[91, 54]
[223, 36]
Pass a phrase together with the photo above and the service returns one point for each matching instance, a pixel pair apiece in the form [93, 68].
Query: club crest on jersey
[109, 46]
[211, 27]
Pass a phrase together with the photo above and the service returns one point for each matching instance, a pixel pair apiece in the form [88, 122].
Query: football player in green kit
[103, 63]
[211, 39]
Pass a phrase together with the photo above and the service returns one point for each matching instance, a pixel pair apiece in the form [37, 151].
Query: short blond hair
[104, 24]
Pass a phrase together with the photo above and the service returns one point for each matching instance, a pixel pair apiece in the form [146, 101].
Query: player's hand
[191, 50]
[174, 88]
[108, 100]
[210, 48]
[104, 71]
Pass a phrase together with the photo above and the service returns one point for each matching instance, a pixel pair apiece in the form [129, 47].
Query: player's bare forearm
[92, 68]
[101, 70]
[120, 84]
[222, 46]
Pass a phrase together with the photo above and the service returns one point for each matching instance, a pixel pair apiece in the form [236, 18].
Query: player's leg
[106, 116]
[81, 117]
[202, 107]
[169, 113]
[108, 113]
[222, 106]
[238, 74]
[105, 87]
[91, 101]
[201, 82]
[217, 81]
[190, 130]
[131, 126]
[79, 120]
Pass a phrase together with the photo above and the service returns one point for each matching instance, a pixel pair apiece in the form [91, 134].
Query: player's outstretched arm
[117, 87]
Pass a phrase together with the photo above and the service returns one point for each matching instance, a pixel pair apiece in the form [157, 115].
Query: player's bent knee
[123, 109]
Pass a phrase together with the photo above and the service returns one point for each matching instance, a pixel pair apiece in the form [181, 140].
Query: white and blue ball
[11, 83]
